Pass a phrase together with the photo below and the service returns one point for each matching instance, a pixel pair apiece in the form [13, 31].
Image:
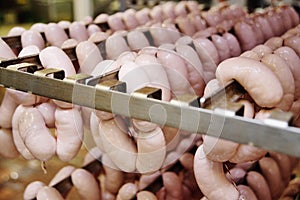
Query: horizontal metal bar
[188, 118]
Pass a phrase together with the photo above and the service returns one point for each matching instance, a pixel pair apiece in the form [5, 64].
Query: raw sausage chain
[177, 49]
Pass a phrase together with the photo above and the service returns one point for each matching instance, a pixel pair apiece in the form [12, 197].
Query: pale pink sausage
[259, 185]
[7, 109]
[284, 165]
[294, 43]
[36, 136]
[293, 15]
[145, 195]
[245, 35]
[25, 98]
[63, 173]
[271, 172]
[185, 25]
[32, 38]
[172, 186]
[293, 62]
[129, 19]
[69, 43]
[64, 24]
[101, 18]
[115, 22]
[262, 50]
[20, 145]
[55, 35]
[274, 42]
[151, 151]
[86, 185]
[250, 54]
[156, 13]
[29, 50]
[246, 192]
[32, 189]
[233, 44]
[88, 56]
[211, 178]
[69, 132]
[47, 110]
[94, 124]
[48, 193]
[281, 69]
[161, 35]
[115, 46]
[143, 16]
[8, 148]
[198, 22]
[236, 175]
[114, 178]
[137, 40]
[17, 30]
[117, 144]
[127, 191]
[98, 37]
[39, 27]
[245, 70]
[5, 51]
[284, 15]
[222, 46]
[93, 28]
[78, 32]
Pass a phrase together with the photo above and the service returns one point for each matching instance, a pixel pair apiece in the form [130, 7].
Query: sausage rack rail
[217, 115]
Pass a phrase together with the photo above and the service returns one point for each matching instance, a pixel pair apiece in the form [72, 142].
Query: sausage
[274, 42]
[137, 40]
[236, 175]
[250, 54]
[7, 109]
[15, 31]
[98, 37]
[142, 16]
[145, 195]
[156, 13]
[211, 178]
[245, 70]
[93, 28]
[233, 44]
[32, 189]
[245, 35]
[8, 148]
[161, 35]
[262, 50]
[246, 192]
[115, 22]
[115, 45]
[36, 136]
[103, 17]
[127, 191]
[265, 26]
[285, 76]
[48, 193]
[69, 132]
[294, 43]
[86, 185]
[88, 56]
[114, 178]
[31, 37]
[48, 110]
[39, 27]
[198, 22]
[172, 189]
[185, 25]
[63, 173]
[271, 172]
[5, 51]
[259, 185]
[29, 50]
[172, 137]
[55, 35]
[151, 148]
[293, 61]
[129, 19]
[284, 164]
[117, 144]
[94, 120]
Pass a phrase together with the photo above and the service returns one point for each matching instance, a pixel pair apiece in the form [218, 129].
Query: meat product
[180, 9]
[194, 67]
[32, 38]
[285, 76]
[274, 42]
[156, 13]
[64, 24]
[172, 137]
[262, 50]
[7, 108]
[185, 25]
[233, 44]
[115, 22]
[94, 120]
[93, 28]
[55, 35]
[151, 150]
[293, 42]
[293, 15]
[168, 9]
[137, 40]
[245, 70]
[286, 19]
[114, 178]
[245, 35]
[129, 19]
[8, 148]
[5, 51]
[88, 56]
[63, 173]
[246, 192]
[172, 187]
[29, 50]
[15, 31]
[127, 191]
[198, 22]
[48, 193]
[32, 189]
[293, 62]
[259, 185]
[211, 178]
[103, 17]
[236, 175]
[69, 132]
[86, 185]
[275, 22]
[206, 32]
[115, 45]
[145, 195]
[271, 172]
[284, 165]
[250, 54]
[69, 43]
[36, 136]
[222, 46]
[117, 144]
[143, 16]
[39, 27]
[78, 31]
[98, 37]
